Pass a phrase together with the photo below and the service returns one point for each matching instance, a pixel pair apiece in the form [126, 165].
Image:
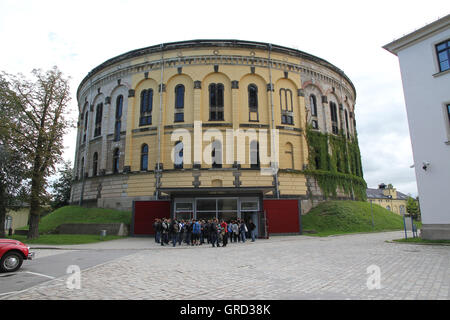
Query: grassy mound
[76, 214]
[338, 217]
[65, 239]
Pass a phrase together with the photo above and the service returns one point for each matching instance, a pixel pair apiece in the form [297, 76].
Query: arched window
[118, 124]
[313, 105]
[286, 105]
[98, 120]
[216, 101]
[144, 157]
[346, 124]
[179, 103]
[388, 208]
[178, 155]
[116, 156]
[290, 155]
[82, 168]
[334, 117]
[146, 107]
[86, 115]
[253, 102]
[254, 155]
[95, 164]
[216, 154]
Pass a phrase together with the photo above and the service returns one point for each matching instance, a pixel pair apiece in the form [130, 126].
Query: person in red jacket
[224, 226]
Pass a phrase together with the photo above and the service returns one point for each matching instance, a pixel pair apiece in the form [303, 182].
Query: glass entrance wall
[227, 216]
[184, 209]
[206, 215]
[226, 208]
[217, 208]
[249, 211]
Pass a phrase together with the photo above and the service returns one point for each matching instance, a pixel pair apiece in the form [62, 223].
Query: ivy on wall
[335, 162]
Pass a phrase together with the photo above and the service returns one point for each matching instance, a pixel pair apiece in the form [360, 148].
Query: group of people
[198, 232]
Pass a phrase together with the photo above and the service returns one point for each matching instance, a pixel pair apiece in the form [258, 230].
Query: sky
[79, 35]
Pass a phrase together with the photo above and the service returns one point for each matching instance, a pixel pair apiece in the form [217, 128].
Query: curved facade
[166, 122]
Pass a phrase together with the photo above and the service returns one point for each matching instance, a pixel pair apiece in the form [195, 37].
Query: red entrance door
[145, 213]
[282, 215]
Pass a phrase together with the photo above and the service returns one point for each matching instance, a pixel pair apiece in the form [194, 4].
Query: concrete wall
[426, 95]
[117, 229]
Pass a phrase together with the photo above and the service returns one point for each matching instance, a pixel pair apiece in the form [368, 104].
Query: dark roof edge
[213, 43]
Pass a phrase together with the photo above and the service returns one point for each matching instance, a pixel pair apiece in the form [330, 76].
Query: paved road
[53, 264]
[288, 267]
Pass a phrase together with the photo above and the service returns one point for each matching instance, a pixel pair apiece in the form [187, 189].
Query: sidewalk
[130, 243]
[148, 243]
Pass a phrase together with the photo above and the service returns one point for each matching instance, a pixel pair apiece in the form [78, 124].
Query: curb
[418, 243]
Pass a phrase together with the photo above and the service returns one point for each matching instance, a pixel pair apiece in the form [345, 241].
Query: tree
[38, 128]
[13, 169]
[11, 176]
[61, 187]
[412, 208]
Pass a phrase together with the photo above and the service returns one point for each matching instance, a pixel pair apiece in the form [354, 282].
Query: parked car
[12, 254]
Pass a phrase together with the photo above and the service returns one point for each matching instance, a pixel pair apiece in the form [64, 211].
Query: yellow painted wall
[19, 217]
[392, 203]
[292, 152]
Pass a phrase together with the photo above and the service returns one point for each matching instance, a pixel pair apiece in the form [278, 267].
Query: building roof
[378, 194]
[218, 43]
[397, 45]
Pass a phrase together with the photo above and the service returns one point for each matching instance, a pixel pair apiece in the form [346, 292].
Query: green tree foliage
[37, 124]
[13, 168]
[412, 208]
[12, 175]
[61, 187]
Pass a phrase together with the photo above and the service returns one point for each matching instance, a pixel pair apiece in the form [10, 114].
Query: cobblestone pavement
[288, 267]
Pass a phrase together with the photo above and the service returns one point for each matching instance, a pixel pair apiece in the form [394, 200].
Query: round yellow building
[195, 123]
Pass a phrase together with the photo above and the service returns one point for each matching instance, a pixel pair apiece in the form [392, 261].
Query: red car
[12, 254]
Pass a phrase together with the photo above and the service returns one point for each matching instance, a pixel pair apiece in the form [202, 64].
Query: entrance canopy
[216, 191]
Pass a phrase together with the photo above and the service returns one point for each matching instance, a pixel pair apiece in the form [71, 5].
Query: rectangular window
[216, 101]
[443, 54]
[117, 130]
[179, 117]
[315, 124]
[334, 118]
[146, 107]
[145, 120]
[448, 113]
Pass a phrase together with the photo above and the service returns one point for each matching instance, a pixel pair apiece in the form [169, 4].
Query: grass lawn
[343, 217]
[64, 239]
[75, 214]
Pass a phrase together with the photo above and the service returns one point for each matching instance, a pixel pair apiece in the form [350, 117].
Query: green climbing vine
[335, 162]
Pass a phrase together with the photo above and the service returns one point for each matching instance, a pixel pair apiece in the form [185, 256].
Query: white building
[424, 57]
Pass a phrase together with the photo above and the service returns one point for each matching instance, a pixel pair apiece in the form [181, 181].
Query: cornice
[94, 73]
[99, 80]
